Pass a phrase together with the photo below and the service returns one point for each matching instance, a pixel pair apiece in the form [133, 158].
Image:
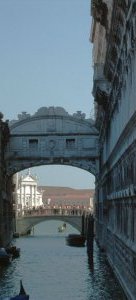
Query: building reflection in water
[102, 278]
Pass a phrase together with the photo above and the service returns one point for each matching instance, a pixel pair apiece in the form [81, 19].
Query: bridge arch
[26, 223]
[52, 136]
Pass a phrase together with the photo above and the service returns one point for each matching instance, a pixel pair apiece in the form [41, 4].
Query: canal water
[51, 270]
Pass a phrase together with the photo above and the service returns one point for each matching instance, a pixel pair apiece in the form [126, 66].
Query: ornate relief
[100, 12]
[52, 144]
[120, 45]
[47, 111]
[101, 98]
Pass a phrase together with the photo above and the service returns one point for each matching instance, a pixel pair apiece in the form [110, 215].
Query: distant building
[27, 195]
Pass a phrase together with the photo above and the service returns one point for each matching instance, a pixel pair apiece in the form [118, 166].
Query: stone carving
[79, 115]
[51, 110]
[52, 144]
[121, 45]
[23, 115]
[48, 111]
[101, 98]
[100, 12]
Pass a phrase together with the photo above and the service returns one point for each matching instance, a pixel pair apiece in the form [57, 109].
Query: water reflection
[102, 276]
[90, 254]
[52, 270]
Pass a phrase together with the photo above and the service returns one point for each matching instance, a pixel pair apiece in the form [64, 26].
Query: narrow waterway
[51, 270]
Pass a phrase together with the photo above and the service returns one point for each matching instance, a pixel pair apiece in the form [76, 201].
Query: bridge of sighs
[52, 136]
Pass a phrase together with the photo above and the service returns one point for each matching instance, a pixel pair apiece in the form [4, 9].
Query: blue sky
[45, 60]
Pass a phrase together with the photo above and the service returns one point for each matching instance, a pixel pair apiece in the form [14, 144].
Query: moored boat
[15, 235]
[77, 240]
[14, 251]
[5, 258]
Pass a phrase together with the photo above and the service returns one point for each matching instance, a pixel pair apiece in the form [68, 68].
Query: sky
[46, 60]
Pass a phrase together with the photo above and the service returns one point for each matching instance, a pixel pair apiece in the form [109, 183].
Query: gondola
[62, 228]
[76, 240]
[22, 294]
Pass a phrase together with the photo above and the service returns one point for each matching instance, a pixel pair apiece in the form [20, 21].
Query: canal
[51, 270]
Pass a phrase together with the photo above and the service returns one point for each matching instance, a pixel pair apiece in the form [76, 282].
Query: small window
[70, 143]
[33, 144]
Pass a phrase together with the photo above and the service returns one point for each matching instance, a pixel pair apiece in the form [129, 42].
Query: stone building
[6, 190]
[28, 196]
[113, 35]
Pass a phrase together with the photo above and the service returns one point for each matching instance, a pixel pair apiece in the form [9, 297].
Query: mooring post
[83, 224]
[90, 230]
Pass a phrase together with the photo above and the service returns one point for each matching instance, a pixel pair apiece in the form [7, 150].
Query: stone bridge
[29, 219]
[52, 136]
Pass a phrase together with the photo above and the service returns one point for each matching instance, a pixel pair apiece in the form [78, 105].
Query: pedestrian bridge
[29, 219]
[52, 136]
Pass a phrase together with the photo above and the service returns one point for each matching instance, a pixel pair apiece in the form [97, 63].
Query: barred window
[70, 143]
[33, 144]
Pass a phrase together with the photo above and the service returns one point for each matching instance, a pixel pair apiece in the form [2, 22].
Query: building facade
[113, 35]
[7, 215]
[28, 196]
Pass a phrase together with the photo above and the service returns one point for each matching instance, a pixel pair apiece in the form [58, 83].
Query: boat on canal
[5, 258]
[14, 251]
[77, 240]
[22, 294]
[62, 228]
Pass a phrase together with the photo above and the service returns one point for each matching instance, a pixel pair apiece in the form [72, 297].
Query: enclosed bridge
[51, 136]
